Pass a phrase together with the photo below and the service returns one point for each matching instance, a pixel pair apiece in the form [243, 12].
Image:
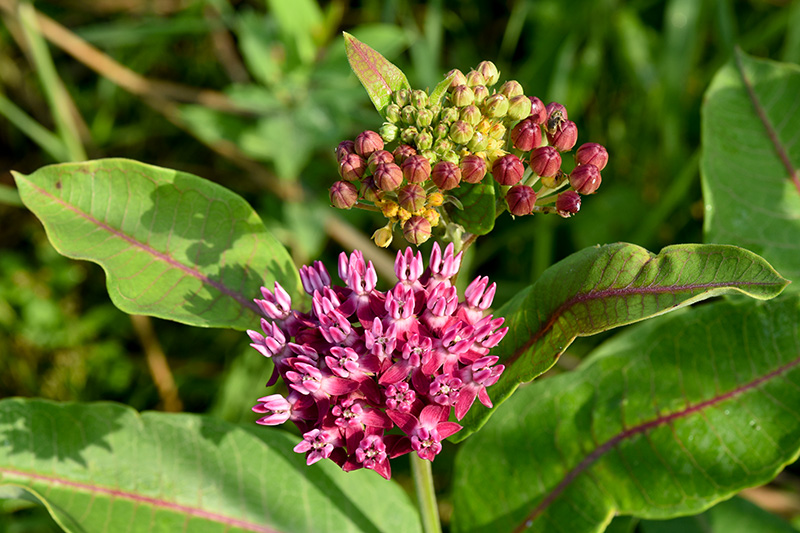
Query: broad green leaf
[750, 165]
[172, 245]
[736, 515]
[379, 77]
[664, 420]
[301, 22]
[603, 287]
[105, 467]
[478, 201]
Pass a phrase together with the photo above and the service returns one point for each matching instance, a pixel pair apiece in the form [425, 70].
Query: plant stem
[426, 497]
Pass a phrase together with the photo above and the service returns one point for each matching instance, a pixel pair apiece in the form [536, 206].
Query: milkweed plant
[666, 419]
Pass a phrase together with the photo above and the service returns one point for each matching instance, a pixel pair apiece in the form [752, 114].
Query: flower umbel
[362, 361]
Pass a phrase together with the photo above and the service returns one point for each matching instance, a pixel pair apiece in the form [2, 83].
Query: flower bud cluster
[427, 148]
[362, 362]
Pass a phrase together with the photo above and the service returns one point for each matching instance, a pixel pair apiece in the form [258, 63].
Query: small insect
[555, 121]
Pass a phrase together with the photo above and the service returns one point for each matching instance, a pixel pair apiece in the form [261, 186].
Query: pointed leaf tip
[379, 77]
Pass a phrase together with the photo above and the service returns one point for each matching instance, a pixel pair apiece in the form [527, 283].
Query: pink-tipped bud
[343, 194]
[352, 167]
[344, 149]
[545, 161]
[585, 179]
[526, 135]
[496, 106]
[568, 203]
[473, 168]
[538, 111]
[520, 200]
[458, 78]
[416, 169]
[419, 98]
[508, 170]
[378, 157]
[446, 175]
[475, 78]
[388, 176]
[519, 107]
[461, 132]
[511, 88]
[565, 137]
[403, 152]
[367, 142]
[489, 72]
[471, 115]
[400, 97]
[462, 96]
[592, 154]
[417, 230]
[412, 197]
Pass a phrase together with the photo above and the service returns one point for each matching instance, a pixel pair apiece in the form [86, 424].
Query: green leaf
[664, 420]
[105, 467]
[478, 201]
[603, 287]
[172, 245]
[736, 515]
[750, 165]
[379, 77]
[437, 95]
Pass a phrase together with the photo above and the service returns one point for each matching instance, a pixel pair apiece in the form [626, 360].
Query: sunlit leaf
[379, 77]
[476, 211]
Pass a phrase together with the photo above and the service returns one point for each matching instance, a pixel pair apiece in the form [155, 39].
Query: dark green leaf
[604, 287]
[172, 245]
[664, 420]
[478, 201]
[732, 516]
[379, 77]
[750, 164]
[105, 467]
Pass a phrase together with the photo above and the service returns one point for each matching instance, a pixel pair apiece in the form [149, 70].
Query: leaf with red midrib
[663, 420]
[378, 75]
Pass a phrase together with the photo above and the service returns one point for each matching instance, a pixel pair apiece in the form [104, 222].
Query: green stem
[426, 497]
[36, 132]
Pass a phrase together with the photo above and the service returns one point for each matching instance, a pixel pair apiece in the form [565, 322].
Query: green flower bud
[383, 236]
[388, 132]
[443, 145]
[450, 157]
[435, 109]
[461, 132]
[424, 118]
[471, 115]
[497, 131]
[519, 107]
[441, 130]
[475, 78]
[481, 93]
[478, 143]
[511, 88]
[423, 140]
[489, 72]
[419, 98]
[393, 113]
[409, 114]
[462, 96]
[459, 78]
[401, 97]
[431, 156]
[496, 106]
[409, 134]
[449, 115]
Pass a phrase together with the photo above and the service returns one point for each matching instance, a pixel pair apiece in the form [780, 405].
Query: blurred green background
[255, 95]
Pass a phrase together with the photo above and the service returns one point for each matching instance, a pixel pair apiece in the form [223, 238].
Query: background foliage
[278, 95]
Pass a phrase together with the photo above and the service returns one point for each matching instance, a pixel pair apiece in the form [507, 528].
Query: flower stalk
[426, 495]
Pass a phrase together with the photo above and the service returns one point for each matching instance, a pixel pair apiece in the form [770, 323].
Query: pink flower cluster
[362, 361]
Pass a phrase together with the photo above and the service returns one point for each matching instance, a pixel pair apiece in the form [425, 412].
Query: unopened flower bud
[379, 157]
[568, 203]
[424, 139]
[471, 115]
[441, 131]
[496, 106]
[403, 152]
[481, 93]
[383, 236]
[538, 111]
[520, 200]
[526, 135]
[352, 167]
[462, 96]
[556, 116]
[449, 115]
[432, 216]
[475, 78]
[497, 131]
[388, 132]
[401, 97]
[387, 176]
[442, 146]
[565, 137]
[478, 143]
[461, 132]
[367, 142]
[435, 109]
[417, 230]
[424, 118]
[343, 195]
[430, 155]
[511, 88]
[489, 72]
[409, 134]
[435, 199]
[368, 190]
[344, 149]
[458, 79]
[545, 161]
[508, 170]
[403, 214]
[592, 153]
[411, 197]
[416, 169]
[473, 168]
[450, 156]
[419, 98]
[446, 175]
[585, 179]
[389, 208]
[519, 107]
[393, 113]
[409, 114]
